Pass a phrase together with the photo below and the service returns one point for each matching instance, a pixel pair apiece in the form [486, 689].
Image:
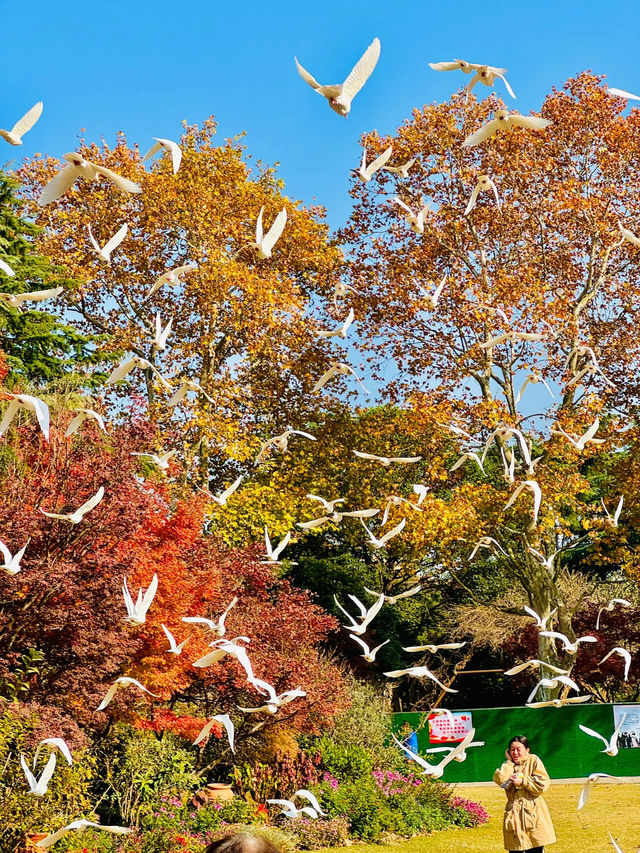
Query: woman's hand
[517, 779]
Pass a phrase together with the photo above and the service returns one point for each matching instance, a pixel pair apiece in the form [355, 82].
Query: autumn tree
[541, 287]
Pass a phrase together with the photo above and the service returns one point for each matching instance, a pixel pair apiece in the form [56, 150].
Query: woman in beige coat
[527, 822]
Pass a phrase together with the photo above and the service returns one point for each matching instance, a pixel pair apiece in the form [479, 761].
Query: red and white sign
[441, 729]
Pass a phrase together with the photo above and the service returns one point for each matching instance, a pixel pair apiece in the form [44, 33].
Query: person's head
[518, 748]
[242, 842]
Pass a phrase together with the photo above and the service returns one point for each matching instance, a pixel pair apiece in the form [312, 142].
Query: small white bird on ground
[382, 541]
[338, 368]
[483, 184]
[388, 460]
[568, 647]
[341, 95]
[77, 516]
[419, 672]
[341, 330]
[609, 607]
[541, 622]
[611, 745]
[365, 173]
[553, 682]
[534, 663]
[104, 252]
[393, 599]
[226, 721]
[161, 460]
[23, 125]
[15, 300]
[273, 554]
[433, 648]
[505, 120]
[80, 168]
[174, 648]
[586, 790]
[624, 654]
[11, 563]
[435, 771]
[79, 824]
[170, 147]
[367, 615]
[81, 417]
[185, 386]
[119, 684]
[51, 744]
[137, 612]
[161, 335]
[171, 277]
[403, 170]
[31, 404]
[124, 369]
[534, 488]
[215, 625]
[415, 220]
[369, 654]
[580, 443]
[38, 787]
[613, 521]
[281, 442]
[222, 498]
[264, 243]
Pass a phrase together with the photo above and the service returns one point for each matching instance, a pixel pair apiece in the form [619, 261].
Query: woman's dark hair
[520, 739]
[242, 842]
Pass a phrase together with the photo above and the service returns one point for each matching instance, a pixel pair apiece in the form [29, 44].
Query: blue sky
[143, 66]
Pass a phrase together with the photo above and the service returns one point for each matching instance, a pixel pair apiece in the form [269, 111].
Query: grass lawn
[611, 808]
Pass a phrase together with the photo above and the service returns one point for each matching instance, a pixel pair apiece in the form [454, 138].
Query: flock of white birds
[340, 99]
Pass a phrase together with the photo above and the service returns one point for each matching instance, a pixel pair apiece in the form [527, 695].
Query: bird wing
[230, 489]
[393, 532]
[444, 66]
[153, 150]
[122, 183]
[473, 199]
[367, 455]
[482, 134]
[324, 379]
[9, 415]
[361, 513]
[622, 93]
[32, 782]
[6, 269]
[557, 636]
[362, 609]
[530, 122]
[41, 411]
[460, 748]
[149, 595]
[505, 81]
[405, 460]
[111, 692]
[315, 522]
[275, 231]
[379, 162]
[170, 637]
[230, 729]
[584, 794]
[205, 730]
[281, 546]
[94, 242]
[592, 733]
[516, 669]
[362, 70]
[121, 371]
[300, 432]
[308, 78]
[414, 755]
[59, 184]
[514, 496]
[28, 120]
[307, 795]
[92, 502]
[115, 241]
[47, 773]
[174, 149]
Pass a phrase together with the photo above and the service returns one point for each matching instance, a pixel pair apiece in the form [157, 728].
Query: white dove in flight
[82, 416]
[366, 615]
[589, 370]
[611, 745]
[468, 456]
[11, 563]
[215, 625]
[487, 75]
[274, 701]
[580, 443]
[341, 330]
[504, 120]
[264, 243]
[553, 682]
[174, 648]
[170, 147]
[433, 648]
[395, 500]
[336, 517]
[221, 648]
[568, 647]
[393, 599]
[534, 663]
[161, 460]
[461, 756]
[130, 364]
[613, 521]
[431, 299]
[337, 368]
[77, 516]
[435, 771]
[341, 95]
[119, 684]
[419, 672]
[137, 612]
[365, 173]
[382, 541]
[456, 65]
[16, 300]
[341, 289]
[421, 491]
[53, 837]
[79, 167]
[622, 93]
[171, 277]
[104, 252]
[534, 488]
[559, 703]
[586, 790]
[629, 236]
[23, 125]
[483, 184]
[281, 442]
[609, 607]
[304, 794]
[533, 379]
[403, 170]
[226, 721]
[624, 654]
[541, 623]
[487, 542]
[503, 337]
[38, 787]
[52, 744]
[31, 404]
[161, 335]
[290, 810]
[386, 461]
[369, 654]
[185, 386]
[273, 554]
[415, 220]
[223, 497]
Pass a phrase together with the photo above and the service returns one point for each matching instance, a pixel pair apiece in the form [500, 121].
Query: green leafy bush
[347, 762]
[259, 782]
[323, 832]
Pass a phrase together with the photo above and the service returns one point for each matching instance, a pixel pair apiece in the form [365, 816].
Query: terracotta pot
[214, 792]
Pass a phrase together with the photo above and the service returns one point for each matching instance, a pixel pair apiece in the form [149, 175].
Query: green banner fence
[566, 751]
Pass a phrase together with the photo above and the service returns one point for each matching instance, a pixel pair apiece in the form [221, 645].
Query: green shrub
[323, 832]
[347, 763]
[364, 805]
